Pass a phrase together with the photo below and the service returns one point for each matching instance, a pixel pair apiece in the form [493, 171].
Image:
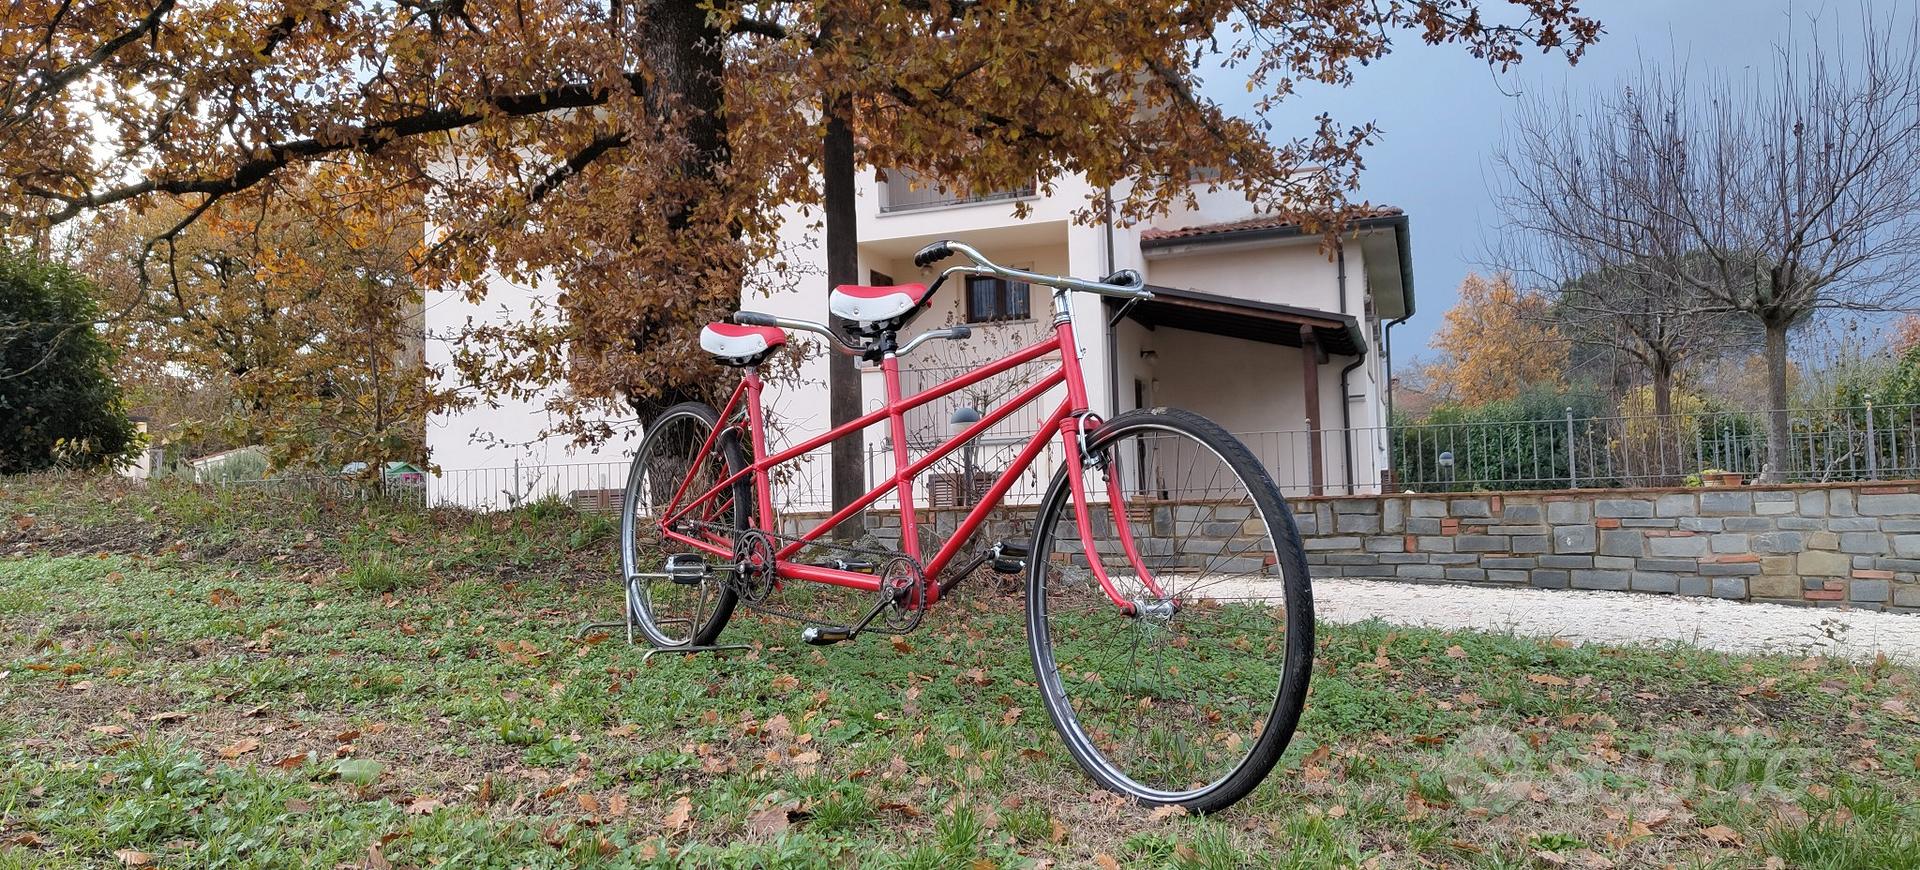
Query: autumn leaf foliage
[1496, 343]
[640, 155]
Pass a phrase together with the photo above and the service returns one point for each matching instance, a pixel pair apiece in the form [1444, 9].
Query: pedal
[687, 569]
[1009, 557]
[825, 635]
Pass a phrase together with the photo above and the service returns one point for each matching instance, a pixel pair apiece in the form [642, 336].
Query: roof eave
[1396, 222]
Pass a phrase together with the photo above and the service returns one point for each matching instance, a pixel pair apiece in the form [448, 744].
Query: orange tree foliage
[297, 328]
[1906, 334]
[1496, 343]
[639, 153]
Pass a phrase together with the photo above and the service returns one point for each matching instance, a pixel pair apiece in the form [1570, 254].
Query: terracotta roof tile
[1268, 222]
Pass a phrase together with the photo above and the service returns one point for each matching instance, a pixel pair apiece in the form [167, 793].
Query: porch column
[1310, 383]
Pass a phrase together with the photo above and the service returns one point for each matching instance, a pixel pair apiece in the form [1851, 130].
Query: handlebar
[1124, 284]
[755, 318]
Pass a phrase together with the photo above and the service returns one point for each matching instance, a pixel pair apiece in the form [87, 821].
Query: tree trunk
[1662, 387]
[1666, 430]
[1779, 432]
[684, 53]
[843, 267]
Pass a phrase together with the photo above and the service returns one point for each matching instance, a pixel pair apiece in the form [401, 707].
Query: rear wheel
[1190, 699]
[671, 613]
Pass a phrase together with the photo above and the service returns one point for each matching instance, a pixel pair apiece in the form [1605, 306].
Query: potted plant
[1716, 477]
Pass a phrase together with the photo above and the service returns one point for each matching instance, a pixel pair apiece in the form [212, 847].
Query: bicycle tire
[1051, 560]
[706, 625]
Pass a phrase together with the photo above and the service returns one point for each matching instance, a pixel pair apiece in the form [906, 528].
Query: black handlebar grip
[754, 318]
[932, 254]
[961, 331]
[1124, 278]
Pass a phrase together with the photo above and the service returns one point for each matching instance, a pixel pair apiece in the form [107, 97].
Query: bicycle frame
[1070, 421]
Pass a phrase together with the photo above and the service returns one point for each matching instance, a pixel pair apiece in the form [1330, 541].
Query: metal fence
[906, 190]
[1866, 442]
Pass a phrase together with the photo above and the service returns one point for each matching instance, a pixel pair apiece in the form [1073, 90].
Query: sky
[1440, 112]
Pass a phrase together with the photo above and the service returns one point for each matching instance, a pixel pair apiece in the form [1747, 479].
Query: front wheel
[1190, 698]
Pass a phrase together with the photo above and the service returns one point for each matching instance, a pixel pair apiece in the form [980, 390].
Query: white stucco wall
[503, 451]
[1249, 387]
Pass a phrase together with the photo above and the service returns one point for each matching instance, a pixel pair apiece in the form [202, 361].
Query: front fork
[1073, 433]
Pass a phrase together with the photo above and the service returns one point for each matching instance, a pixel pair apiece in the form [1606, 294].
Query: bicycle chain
[886, 562]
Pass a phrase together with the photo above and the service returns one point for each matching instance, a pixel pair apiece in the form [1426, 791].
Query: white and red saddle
[741, 345]
[877, 308]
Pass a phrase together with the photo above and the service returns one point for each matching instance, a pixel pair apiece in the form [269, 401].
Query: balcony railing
[906, 190]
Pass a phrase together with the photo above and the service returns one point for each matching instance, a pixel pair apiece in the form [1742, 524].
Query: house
[1254, 323]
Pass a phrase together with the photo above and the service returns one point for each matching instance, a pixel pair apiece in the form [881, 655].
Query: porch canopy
[1331, 333]
[1318, 334]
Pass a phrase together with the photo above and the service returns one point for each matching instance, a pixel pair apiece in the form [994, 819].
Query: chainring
[753, 566]
[903, 590]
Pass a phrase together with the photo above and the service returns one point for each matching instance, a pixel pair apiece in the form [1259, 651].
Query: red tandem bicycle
[1169, 614]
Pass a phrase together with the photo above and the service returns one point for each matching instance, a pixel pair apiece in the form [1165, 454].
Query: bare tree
[1772, 198]
[1591, 221]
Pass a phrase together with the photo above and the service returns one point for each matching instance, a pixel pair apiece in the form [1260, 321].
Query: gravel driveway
[1620, 618]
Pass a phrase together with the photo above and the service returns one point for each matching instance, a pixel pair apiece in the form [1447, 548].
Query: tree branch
[370, 137]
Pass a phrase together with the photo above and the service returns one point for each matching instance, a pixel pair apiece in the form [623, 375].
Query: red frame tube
[1063, 423]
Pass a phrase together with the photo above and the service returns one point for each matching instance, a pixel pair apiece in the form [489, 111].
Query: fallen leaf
[296, 805]
[1721, 835]
[29, 840]
[679, 814]
[423, 806]
[1161, 814]
[133, 857]
[1106, 861]
[1547, 679]
[239, 747]
[900, 645]
[1058, 834]
[772, 821]
[168, 716]
[1455, 652]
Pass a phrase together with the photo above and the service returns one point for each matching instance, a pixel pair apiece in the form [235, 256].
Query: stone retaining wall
[1830, 544]
[1852, 545]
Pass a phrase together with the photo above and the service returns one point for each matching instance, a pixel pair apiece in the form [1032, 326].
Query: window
[990, 298]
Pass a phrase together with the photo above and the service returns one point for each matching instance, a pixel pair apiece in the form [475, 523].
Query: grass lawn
[195, 679]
